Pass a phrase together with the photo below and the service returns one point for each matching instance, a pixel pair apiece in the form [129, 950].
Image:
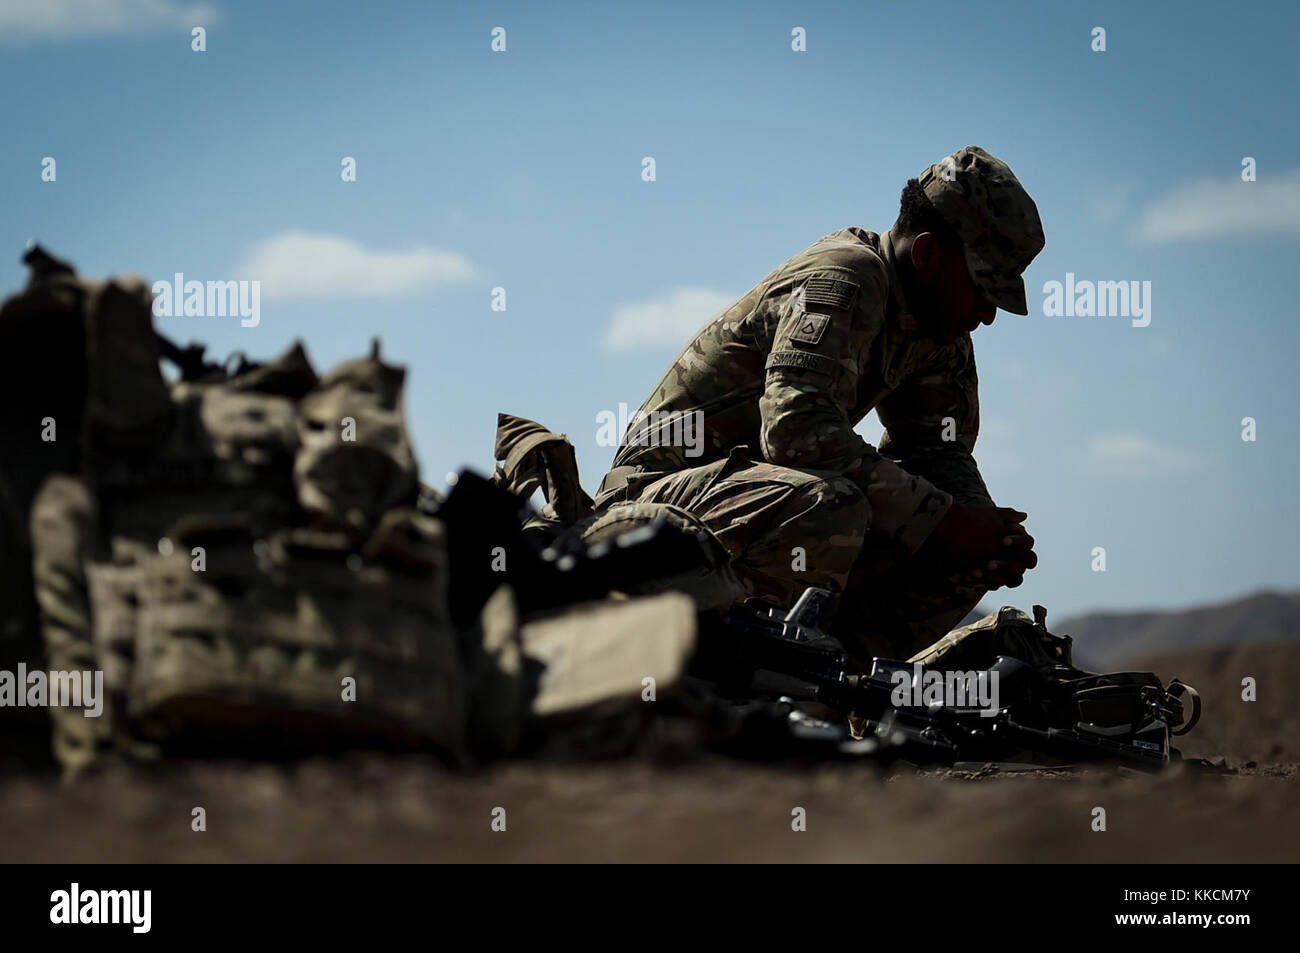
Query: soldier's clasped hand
[989, 543]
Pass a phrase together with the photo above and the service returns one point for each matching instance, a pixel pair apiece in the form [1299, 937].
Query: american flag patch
[832, 292]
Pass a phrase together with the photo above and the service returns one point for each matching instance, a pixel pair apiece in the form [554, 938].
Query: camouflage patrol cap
[979, 196]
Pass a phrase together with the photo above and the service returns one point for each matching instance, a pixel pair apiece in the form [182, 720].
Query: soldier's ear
[927, 256]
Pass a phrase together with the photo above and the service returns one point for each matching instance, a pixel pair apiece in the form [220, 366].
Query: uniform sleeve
[821, 344]
[932, 421]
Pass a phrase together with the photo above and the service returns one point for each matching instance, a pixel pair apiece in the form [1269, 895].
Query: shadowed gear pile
[246, 554]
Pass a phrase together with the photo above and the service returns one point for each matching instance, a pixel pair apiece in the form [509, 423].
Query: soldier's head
[966, 231]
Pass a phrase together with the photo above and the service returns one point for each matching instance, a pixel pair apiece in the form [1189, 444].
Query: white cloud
[65, 19]
[1135, 456]
[663, 322]
[1211, 208]
[298, 264]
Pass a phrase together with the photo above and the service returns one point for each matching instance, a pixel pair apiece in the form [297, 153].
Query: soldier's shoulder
[850, 249]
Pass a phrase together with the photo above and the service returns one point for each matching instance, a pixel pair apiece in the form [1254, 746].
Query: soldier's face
[962, 306]
[949, 302]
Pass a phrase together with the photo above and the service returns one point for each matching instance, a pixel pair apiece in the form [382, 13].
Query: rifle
[795, 685]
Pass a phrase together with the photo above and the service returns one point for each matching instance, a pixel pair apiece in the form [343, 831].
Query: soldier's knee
[838, 496]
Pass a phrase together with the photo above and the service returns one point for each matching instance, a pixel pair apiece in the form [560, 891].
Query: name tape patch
[804, 360]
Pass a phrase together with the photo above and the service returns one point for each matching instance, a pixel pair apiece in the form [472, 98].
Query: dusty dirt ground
[704, 807]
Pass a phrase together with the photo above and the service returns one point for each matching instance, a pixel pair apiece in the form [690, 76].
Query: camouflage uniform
[778, 380]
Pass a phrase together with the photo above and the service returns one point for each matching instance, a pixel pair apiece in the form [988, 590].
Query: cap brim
[1009, 297]
[1005, 291]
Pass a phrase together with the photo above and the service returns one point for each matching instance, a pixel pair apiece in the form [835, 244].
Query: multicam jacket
[792, 366]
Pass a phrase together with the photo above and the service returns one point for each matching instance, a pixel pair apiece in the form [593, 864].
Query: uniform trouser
[788, 529]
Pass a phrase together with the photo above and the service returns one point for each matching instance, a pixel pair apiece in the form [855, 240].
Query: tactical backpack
[51, 390]
[247, 556]
[294, 586]
[242, 552]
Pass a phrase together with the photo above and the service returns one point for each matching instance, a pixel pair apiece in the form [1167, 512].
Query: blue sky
[522, 170]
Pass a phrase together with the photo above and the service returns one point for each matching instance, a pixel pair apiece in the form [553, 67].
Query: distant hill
[1110, 640]
[1107, 639]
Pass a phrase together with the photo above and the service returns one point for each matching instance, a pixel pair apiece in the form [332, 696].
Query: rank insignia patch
[810, 328]
[833, 292]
